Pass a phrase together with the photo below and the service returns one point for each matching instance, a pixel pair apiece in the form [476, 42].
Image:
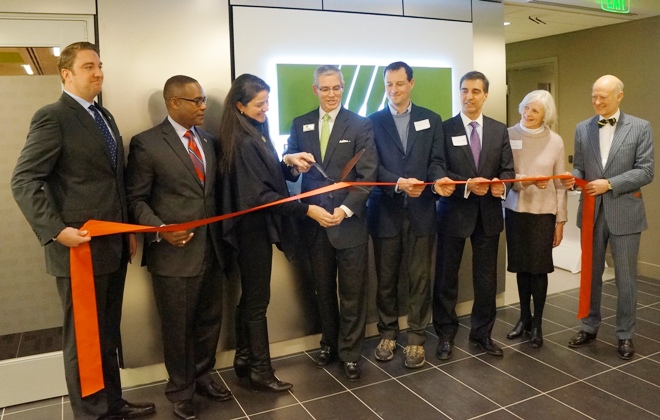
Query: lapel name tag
[422, 125]
[459, 141]
[344, 141]
[308, 127]
[516, 144]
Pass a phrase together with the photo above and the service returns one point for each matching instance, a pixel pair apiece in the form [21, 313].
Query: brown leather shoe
[626, 349]
[580, 339]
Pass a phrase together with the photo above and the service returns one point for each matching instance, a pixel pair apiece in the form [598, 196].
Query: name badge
[459, 141]
[308, 127]
[516, 144]
[422, 125]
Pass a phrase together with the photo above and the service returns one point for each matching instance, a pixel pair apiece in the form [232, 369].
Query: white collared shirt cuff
[396, 187]
[348, 211]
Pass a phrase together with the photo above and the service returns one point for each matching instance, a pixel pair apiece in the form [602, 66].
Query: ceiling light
[507, 23]
[56, 51]
[28, 69]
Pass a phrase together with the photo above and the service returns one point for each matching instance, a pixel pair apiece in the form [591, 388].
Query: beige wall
[627, 50]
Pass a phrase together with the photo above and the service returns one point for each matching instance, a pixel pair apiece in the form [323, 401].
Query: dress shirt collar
[181, 130]
[467, 120]
[333, 114]
[80, 100]
[616, 115]
[395, 112]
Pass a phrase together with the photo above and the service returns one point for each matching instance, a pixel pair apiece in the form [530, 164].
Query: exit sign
[615, 6]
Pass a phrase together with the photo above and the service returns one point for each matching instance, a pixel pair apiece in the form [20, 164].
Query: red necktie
[195, 155]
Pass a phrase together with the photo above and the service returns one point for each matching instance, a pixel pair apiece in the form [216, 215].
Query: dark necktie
[195, 155]
[110, 142]
[605, 121]
[475, 143]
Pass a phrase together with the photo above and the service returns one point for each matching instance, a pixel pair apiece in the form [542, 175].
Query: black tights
[532, 286]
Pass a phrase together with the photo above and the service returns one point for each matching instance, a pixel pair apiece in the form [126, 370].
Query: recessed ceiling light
[507, 23]
[28, 69]
[56, 51]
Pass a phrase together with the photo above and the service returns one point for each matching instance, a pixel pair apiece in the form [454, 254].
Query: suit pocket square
[344, 141]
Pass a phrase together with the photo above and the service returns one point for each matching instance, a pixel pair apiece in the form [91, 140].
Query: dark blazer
[259, 177]
[350, 134]
[629, 166]
[458, 215]
[423, 159]
[163, 188]
[64, 179]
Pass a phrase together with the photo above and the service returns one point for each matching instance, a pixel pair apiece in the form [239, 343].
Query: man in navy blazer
[614, 152]
[71, 170]
[334, 135]
[474, 211]
[171, 178]
[410, 144]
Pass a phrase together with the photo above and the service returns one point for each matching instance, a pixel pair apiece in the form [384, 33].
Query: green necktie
[325, 134]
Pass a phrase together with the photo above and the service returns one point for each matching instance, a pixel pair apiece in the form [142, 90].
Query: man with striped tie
[171, 178]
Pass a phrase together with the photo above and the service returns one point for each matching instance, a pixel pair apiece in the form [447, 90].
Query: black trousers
[190, 310]
[343, 272]
[109, 297]
[484, 282]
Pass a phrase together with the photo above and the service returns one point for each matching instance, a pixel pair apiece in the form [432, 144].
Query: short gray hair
[327, 69]
[545, 99]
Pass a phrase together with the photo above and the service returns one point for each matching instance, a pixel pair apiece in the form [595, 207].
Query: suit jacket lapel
[622, 128]
[459, 129]
[413, 135]
[486, 143]
[88, 122]
[594, 141]
[172, 139]
[209, 157]
[312, 136]
[387, 121]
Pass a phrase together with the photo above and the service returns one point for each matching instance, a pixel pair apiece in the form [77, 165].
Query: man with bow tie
[614, 152]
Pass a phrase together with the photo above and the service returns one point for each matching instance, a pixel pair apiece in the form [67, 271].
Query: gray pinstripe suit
[620, 217]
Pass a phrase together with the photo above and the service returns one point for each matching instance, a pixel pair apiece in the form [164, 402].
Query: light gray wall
[627, 50]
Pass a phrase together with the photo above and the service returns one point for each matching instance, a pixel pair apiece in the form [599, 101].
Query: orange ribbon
[82, 272]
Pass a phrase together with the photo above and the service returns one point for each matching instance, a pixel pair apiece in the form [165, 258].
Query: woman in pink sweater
[535, 210]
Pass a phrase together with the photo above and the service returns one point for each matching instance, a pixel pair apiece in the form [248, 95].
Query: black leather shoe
[518, 330]
[536, 340]
[581, 338]
[352, 371]
[486, 344]
[184, 410]
[444, 351]
[214, 391]
[325, 357]
[131, 410]
[626, 349]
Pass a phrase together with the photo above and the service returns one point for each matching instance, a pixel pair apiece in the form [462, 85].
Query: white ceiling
[561, 16]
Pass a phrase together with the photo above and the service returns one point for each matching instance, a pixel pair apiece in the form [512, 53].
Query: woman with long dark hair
[254, 175]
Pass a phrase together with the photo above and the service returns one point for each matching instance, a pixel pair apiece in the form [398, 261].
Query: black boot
[242, 356]
[539, 285]
[520, 328]
[537, 337]
[262, 377]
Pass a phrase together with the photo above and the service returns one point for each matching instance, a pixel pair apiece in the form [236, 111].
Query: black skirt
[529, 240]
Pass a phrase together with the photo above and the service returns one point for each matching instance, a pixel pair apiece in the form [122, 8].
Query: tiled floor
[553, 382]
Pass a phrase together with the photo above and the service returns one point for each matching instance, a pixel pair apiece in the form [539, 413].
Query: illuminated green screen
[365, 95]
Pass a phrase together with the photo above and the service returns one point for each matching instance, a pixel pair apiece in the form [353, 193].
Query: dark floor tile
[308, 381]
[647, 329]
[391, 400]
[563, 301]
[452, 398]
[509, 314]
[598, 404]
[649, 314]
[545, 408]
[566, 360]
[255, 401]
[527, 369]
[296, 412]
[646, 369]
[648, 285]
[48, 412]
[40, 341]
[566, 317]
[635, 391]
[489, 381]
[602, 350]
[34, 405]
[339, 406]
[9, 346]
[501, 414]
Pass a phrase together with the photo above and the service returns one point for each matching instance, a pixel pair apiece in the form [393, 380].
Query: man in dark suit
[334, 135]
[72, 170]
[474, 211]
[614, 152]
[410, 144]
[171, 178]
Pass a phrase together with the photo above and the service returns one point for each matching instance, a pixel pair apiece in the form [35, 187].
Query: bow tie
[605, 121]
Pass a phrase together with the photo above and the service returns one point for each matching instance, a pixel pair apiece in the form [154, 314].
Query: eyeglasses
[197, 101]
[325, 89]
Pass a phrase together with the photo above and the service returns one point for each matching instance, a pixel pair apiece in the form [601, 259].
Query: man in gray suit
[72, 170]
[171, 178]
[614, 152]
